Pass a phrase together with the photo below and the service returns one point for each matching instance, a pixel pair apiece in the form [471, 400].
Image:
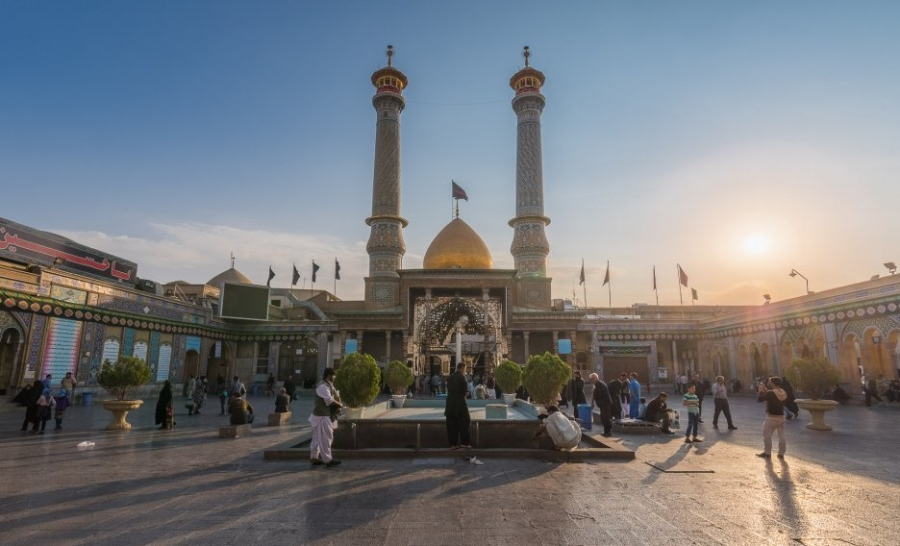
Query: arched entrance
[191, 364]
[217, 362]
[9, 345]
[302, 355]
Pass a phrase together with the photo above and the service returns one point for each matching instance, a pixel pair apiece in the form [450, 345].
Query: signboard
[61, 354]
[350, 346]
[565, 346]
[26, 245]
[165, 360]
[662, 373]
[244, 301]
[192, 344]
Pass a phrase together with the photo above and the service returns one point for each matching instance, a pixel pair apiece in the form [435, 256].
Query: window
[140, 350]
[110, 351]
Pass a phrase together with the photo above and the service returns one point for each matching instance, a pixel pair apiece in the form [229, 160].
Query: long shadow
[783, 491]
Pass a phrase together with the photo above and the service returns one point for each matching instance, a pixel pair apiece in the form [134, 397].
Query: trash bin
[584, 413]
[87, 398]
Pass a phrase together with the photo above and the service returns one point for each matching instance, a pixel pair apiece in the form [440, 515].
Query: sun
[756, 243]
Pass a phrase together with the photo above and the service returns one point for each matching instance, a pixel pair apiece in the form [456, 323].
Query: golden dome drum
[457, 246]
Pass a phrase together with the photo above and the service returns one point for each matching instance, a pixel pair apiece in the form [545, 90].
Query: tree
[398, 377]
[509, 375]
[815, 377]
[127, 373]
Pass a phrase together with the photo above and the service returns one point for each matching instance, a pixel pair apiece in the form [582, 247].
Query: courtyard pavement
[187, 486]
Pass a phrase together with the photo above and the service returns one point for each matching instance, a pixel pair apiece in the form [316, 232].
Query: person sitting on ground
[564, 432]
[658, 412]
[240, 409]
[642, 408]
[893, 391]
[282, 401]
[840, 395]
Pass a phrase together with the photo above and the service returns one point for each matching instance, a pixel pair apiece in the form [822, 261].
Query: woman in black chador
[164, 407]
[457, 411]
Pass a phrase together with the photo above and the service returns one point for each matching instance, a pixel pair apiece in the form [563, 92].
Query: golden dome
[457, 246]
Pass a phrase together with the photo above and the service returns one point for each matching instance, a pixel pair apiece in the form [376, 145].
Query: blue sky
[740, 140]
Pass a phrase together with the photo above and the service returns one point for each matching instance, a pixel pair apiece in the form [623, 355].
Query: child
[642, 409]
[62, 402]
[693, 407]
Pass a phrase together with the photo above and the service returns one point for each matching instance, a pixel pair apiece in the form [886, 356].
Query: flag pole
[610, 287]
[680, 297]
[584, 285]
[335, 275]
[655, 289]
[312, 285]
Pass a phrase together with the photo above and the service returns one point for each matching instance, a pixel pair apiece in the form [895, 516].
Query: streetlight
[891, 267]
[795, 273]
[460, 324]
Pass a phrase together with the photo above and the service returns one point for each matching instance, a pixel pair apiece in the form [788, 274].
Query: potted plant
[398, 378]
[509, 376]
[118, 380]
[815, 377]
[357, 381]
[544, 376]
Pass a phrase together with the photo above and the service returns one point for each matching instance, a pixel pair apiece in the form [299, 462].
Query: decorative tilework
[154, 353]
[36, 344]
[128, 342]
[97, 339]
[24, 317]
[178, 350]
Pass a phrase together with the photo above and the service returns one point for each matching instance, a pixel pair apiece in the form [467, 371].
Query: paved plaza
[188, 487]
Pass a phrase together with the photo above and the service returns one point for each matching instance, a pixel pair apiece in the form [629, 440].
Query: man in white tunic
[323, 420]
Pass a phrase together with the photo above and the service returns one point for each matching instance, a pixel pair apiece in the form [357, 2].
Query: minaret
[529, 247]
[386, 246]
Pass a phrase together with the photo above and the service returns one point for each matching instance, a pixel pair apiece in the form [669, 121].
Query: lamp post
[768, 298]
[460, 324]
[795, 273]
[891, 267]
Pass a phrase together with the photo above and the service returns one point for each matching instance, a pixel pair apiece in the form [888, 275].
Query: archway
[9, 345]
[302, 355]
[191, 364]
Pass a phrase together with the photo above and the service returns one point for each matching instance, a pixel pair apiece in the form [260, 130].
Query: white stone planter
[399, 400]
[817, 409]
[510, 399]
[353, 413]
[119, 410]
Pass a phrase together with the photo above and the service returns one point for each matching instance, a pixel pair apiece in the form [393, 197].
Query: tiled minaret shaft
[529, 247]
[386, 246]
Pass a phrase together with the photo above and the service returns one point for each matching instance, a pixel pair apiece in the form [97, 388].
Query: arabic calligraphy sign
[23, 244]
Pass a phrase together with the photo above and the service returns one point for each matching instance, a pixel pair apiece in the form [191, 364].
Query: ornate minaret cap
[527, 80]
[389, 79]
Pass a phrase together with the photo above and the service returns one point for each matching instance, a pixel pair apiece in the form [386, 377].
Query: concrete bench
[496, 411]
[234, 431]
[278, 419]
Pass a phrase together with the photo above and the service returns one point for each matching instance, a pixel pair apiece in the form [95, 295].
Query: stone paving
[189, 487]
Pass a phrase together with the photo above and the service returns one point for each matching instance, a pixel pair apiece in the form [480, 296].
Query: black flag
[296, 276]
[337, 270]
[315, 270]
[271, 276]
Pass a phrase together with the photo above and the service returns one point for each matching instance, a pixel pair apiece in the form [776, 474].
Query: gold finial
[526, 54]
[390, 53]
[232, 259]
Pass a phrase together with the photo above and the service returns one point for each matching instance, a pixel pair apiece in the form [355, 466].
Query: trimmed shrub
[509, 376]
[358, 380]
[398, 377]
[544, 376]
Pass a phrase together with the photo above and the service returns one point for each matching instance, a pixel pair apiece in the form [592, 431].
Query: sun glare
[756, 243]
